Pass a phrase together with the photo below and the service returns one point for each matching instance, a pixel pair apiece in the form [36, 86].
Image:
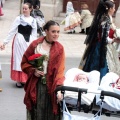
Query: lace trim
[40, 50]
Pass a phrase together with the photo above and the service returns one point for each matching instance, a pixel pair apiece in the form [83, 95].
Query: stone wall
[117, 18]
[51, 8]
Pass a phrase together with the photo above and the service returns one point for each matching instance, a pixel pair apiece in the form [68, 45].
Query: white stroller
[81, 92]
[110, 104]
[97, 116]
[92, 85]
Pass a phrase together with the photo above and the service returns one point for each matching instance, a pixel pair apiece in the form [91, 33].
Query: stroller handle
[111, 94]
[67, 88]
[75, 89]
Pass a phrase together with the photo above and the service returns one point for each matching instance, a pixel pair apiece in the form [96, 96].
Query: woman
[24, 31]
[72, 19]
[86, 19]
[100, 53]
[40, 98]
[69, 10]
[1, 5]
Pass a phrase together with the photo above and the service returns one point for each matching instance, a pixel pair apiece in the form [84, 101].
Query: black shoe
[82, 32]
[70, 32]
[23, 84]
[19, 85]
[74, 31]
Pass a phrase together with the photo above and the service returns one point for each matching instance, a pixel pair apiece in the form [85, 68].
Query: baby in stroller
[116, 84]
[38, 15]
[110, 82]
[75, 77]
[81, 78]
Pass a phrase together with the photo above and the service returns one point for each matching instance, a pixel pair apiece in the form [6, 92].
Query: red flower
[36, 60]
[34, 56]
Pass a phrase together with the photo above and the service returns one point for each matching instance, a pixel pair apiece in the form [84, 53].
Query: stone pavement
[11, 98]
[73, 43]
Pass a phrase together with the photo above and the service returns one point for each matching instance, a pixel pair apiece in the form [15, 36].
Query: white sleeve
[109, 40]
[13, 30]
[34, 29]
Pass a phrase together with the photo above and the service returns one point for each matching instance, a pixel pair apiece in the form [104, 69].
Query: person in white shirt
[86, 19]
[23, 32]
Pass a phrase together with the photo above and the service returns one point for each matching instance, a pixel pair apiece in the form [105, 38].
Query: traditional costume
[100, 54]
[72, 19]
[24, 31]
[40, 99]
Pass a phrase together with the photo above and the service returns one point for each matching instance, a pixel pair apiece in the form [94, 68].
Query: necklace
[48, 42]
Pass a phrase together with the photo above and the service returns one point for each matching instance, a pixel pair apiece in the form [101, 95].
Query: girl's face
[53, 33]
[26, 10]
[111, 10]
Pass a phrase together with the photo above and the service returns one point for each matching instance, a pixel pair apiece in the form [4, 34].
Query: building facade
[52, 8]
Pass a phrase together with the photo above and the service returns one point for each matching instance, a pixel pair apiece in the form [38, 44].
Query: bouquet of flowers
[36, 61]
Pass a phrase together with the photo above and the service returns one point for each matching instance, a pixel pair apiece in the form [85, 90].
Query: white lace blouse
[39, 49]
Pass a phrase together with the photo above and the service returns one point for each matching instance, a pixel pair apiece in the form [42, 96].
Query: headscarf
[69, 8]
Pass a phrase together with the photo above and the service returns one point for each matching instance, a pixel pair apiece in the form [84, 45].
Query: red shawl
[55, 73]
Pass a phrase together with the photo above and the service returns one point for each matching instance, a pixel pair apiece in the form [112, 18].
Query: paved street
[11, 98]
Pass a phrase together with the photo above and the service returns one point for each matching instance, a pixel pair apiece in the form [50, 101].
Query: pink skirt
[1, 13]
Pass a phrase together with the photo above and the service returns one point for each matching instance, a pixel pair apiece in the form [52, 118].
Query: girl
[23, 32]
[40, 98]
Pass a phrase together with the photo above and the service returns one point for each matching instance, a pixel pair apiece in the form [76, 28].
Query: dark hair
[92, 37]
[108, 5]
[29, 5]
[102, 9]
[49, 23]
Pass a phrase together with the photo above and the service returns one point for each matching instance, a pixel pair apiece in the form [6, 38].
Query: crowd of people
[74, 18]
[100, 54]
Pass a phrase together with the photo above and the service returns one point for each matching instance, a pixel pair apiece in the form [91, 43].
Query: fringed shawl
[55, 73]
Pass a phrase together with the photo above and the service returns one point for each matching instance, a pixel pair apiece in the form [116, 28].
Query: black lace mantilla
[105, 26]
